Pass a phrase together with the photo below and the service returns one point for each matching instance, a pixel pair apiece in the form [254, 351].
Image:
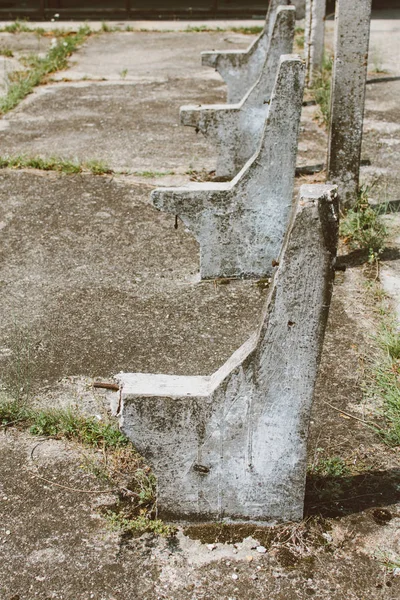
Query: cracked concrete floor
[93, 280]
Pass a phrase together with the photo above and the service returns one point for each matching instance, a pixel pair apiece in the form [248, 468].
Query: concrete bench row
[232, 445]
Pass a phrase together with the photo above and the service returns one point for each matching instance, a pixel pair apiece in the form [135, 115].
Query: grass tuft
[299, 38]
[321, 89]
[253, 30]
[17, 27]
[39, 68]
[96, 167]
[362, 227]
[150, 174]
[63, 424]
[389, 560]
[135, 511]
[140, 524]
[334, 466]
[7, 52]
[385, 383]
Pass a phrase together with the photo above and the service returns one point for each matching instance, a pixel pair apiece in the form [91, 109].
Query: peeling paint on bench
[233, 446]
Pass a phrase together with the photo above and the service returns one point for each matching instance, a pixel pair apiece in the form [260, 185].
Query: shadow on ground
[349, 494]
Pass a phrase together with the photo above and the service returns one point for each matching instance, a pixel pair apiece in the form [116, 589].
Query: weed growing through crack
[117, 463]
[96, 167]
[329, 477]
[362, 228]
[376, 61]
[333, 466]
[20, 27]
[299, 38]
[136, 512]
[118, 522]
[253, 30]
[382, 376]
[389, 560]
[321, 89]
[62, 424]
[150, 174]
[39, 68]
[19, 368]
[384, 383]
[6, 52]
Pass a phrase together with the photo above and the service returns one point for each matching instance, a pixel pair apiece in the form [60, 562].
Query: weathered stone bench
[236, 129]
[240, 225]
[240, 69]
[233, 445]
[352, 30]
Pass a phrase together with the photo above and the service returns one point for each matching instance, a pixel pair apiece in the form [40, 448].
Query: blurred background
[153, 9]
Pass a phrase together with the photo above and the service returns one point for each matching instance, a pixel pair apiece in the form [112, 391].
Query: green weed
[60, 165]
[17, 27]
[63, 424]
[330, 477]
[39, 68]
[12, 412]
[299, 38]
[150, 174]
[384, 382]
[389, 341]
[105, 27]
[70, 425]
[321, 89]
[117, 459]
[6, 52]
[330, 467]
[199, 29]
[253, 30]
[389, 560]
[256, 29]
[376, 61]
[96, 167]
[140, 524]
[361, 227]
[19, 370]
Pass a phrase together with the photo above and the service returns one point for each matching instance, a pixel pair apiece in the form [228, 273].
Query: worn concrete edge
[178, 386]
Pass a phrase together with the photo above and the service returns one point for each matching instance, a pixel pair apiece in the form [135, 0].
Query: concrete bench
[240, 69]
[233, 445]
[240, 225]
[236, 129]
